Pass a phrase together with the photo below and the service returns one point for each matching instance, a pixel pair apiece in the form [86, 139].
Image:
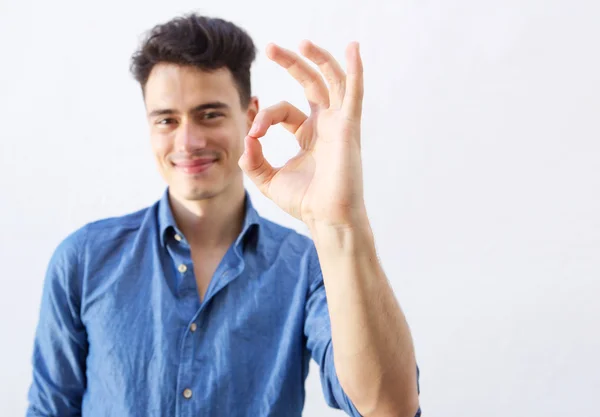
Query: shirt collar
[168, 227]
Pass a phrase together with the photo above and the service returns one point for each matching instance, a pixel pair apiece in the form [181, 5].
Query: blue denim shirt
[122, 331]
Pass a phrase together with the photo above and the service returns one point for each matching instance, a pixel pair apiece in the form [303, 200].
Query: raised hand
[323, 182]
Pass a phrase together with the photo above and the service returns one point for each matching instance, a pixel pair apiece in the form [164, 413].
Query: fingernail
[253, 129]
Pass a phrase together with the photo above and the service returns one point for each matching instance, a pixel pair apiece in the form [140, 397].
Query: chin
[199, 193]
[195, 192]
[201, 187]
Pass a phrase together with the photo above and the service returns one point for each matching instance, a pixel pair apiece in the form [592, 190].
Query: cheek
[231, 140]
[161, 144]
[241, 132]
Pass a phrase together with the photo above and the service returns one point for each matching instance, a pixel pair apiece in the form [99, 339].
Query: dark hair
[203, 42]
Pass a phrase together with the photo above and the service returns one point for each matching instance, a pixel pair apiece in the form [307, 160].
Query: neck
[212, 222]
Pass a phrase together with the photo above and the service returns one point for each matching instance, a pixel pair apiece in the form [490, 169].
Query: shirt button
[193, 327]
[187, 393]
[182, 268]
[178, 237]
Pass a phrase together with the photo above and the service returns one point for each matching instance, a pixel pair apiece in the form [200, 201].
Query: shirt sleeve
[317, 329]
[60, 345]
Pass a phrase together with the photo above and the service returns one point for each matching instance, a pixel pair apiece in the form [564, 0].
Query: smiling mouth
[195, 166]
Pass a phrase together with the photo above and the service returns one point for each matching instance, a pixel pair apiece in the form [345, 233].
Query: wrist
[351, 238]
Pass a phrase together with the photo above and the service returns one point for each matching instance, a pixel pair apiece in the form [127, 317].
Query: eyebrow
[206, 106]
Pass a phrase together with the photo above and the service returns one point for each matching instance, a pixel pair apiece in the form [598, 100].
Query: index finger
[314, 87]
[331, 69]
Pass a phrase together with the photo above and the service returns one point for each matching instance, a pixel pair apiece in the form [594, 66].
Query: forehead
[184, 87]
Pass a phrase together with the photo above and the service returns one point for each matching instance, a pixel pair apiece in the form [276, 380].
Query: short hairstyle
[199, 41]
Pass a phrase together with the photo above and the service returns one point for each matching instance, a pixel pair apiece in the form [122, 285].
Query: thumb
[255, 166]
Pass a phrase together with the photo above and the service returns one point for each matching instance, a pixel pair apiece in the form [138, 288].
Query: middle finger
[314, 87]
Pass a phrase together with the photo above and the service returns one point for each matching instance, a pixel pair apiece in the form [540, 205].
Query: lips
[194, 166]
[194, 162]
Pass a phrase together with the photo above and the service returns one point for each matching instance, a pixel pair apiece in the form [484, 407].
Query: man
[197, 306]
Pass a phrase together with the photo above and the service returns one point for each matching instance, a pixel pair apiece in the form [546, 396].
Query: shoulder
[281, 243]
[94, 243]
[117, 227]
[285, 238]
[98, 234]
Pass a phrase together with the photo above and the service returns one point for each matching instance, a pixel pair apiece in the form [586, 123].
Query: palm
[324, 180]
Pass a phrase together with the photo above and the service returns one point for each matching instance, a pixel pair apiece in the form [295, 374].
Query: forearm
[373, 350]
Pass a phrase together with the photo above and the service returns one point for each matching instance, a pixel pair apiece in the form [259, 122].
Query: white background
[482, 169]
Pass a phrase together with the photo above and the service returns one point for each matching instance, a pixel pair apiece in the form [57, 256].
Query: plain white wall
[482, 168]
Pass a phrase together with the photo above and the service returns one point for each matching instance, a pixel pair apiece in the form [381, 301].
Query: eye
[211, 115]
[165, 122]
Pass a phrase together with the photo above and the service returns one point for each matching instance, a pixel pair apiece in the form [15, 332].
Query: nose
[189, 137]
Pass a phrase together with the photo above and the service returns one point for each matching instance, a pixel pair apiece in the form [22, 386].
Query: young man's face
[197, 129]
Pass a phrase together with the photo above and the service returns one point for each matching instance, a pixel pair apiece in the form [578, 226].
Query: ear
[251, 112]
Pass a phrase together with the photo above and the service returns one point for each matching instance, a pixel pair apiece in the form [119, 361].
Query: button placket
[186, 374]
